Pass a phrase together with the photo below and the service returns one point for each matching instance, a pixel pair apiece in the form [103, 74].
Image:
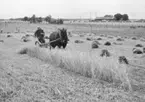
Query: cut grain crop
[120, 39]
[79, 41]
[107, 43]
[139, 45]
[102, 68]
[105, 53]
[95, 44]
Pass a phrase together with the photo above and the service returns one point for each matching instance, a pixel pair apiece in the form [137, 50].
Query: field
[29, 73]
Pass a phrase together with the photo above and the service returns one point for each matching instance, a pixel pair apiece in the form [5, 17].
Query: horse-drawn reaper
[58, 38]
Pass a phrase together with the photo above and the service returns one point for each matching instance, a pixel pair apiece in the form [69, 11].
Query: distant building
[104, 19]
[140, 20]
[76, 20]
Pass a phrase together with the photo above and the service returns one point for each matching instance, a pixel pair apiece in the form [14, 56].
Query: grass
[84, 63]
[98, 28]
[88, 64]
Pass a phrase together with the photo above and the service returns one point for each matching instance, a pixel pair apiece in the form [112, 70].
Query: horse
[58, 38]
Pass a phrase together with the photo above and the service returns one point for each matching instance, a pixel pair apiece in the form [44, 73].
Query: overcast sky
[71, 8]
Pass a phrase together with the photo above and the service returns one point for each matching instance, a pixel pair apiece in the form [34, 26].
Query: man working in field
[40, 35]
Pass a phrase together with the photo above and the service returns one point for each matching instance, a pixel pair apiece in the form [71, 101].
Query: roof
[104, 18]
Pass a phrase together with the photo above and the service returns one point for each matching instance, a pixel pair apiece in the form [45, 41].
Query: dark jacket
[40, 35]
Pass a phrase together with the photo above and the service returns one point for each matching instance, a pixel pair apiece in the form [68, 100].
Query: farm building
[104, 19]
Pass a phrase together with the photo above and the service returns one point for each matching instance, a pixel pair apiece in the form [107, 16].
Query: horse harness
[57, 38]
[48, 44]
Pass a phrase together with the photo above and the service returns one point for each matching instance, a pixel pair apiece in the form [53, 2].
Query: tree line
[123, 17]
[119, 17]
[48, 19]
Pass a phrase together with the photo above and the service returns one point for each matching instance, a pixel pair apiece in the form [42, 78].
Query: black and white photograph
[72, 51]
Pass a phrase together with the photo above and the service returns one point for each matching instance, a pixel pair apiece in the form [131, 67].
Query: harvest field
[79, 73]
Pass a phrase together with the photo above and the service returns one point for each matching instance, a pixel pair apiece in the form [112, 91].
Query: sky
[71, 8]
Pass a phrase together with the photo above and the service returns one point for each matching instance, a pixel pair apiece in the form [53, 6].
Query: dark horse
[58, 38]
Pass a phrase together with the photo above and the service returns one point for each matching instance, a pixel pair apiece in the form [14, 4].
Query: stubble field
[78, 73]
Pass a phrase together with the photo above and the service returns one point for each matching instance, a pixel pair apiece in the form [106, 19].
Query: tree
[53, 21]
[118, 16]
[125, 17]
[39, 19]
[33, 19]
[59, 21]
[48, 18]
[25, 18]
